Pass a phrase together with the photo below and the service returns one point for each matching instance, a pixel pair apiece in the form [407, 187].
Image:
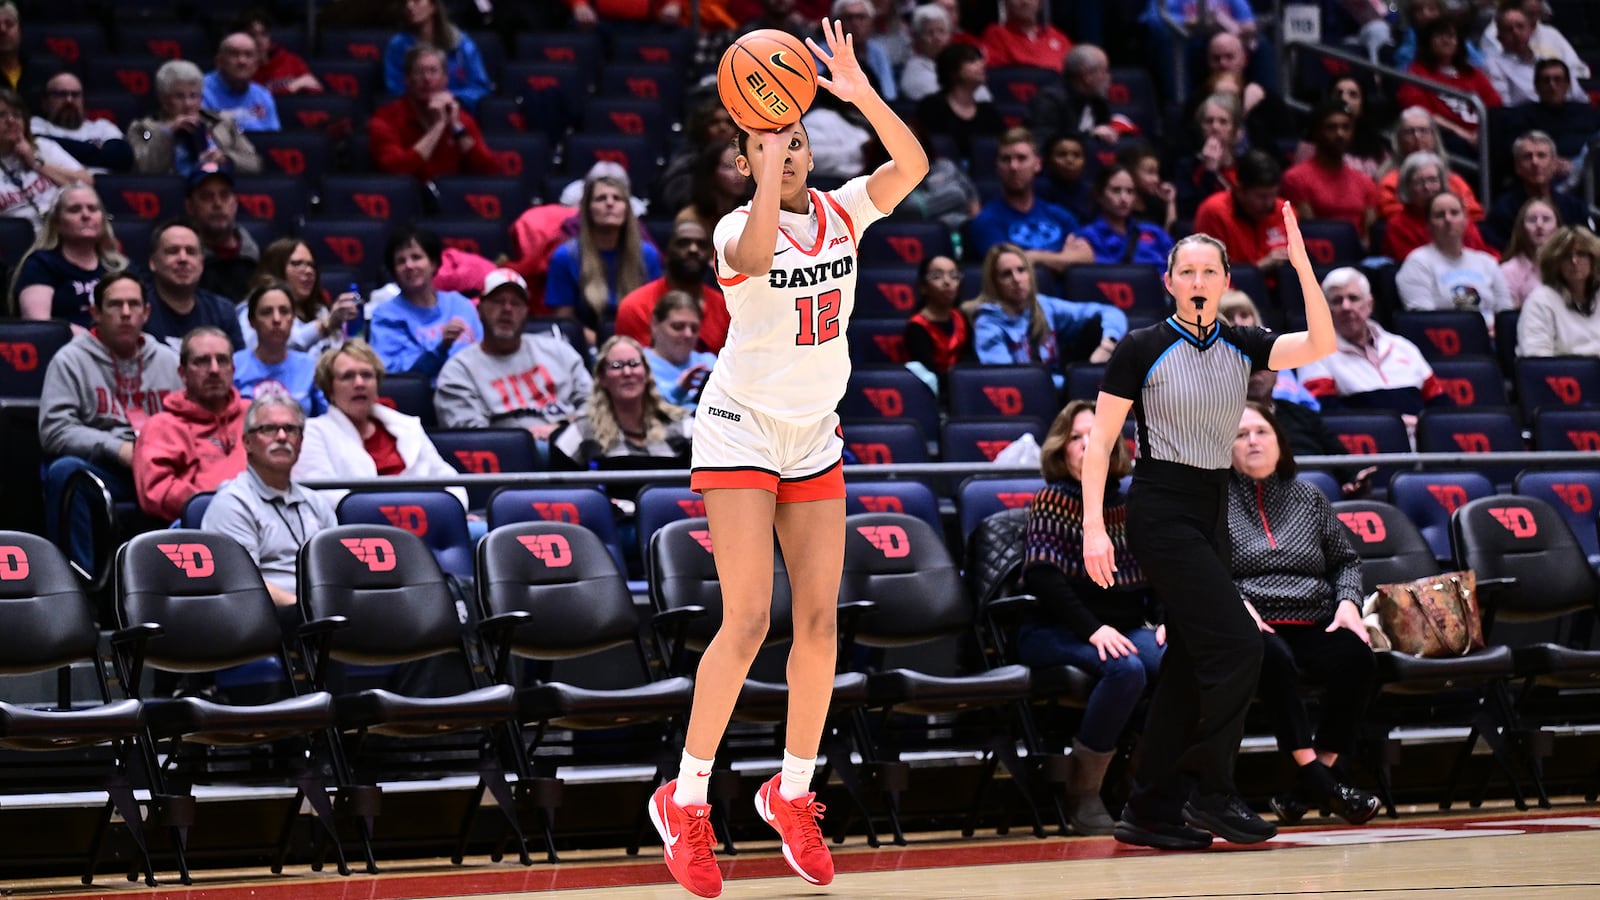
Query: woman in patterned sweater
[1301, 582]
[1103, 631]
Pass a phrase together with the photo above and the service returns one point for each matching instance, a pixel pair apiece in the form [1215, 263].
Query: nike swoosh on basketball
[777, 60]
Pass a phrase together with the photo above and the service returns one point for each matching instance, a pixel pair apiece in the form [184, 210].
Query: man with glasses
[688, 256]
[511, 379]
[1371, 368]
[96, 143]
[263, 509]
[195, 444]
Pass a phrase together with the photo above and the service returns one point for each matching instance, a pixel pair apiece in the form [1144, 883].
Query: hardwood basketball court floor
[1496, 851]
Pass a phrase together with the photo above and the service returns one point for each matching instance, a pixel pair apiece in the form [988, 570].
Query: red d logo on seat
[1368, 526]
[552, 549]
[193, 560]
[376, 553]
[13, 564]
[1517, 519]
[891, 540]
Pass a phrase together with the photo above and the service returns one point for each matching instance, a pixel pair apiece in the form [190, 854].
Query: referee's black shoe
[1134, 829]
[1227, 817]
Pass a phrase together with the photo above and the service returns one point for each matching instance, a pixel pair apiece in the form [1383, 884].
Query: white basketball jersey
[786, 354]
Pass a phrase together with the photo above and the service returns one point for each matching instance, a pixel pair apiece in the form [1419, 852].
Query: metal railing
[1393, 74]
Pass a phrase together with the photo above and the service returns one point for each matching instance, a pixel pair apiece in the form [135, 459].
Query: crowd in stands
[247, 254]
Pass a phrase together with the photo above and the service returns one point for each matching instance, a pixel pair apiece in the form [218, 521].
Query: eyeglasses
[10, 115]
[273, 430]
[355, 375]
[617, 365]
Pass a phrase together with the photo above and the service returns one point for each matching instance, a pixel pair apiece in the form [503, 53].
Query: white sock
[694, 776]
[797, 772]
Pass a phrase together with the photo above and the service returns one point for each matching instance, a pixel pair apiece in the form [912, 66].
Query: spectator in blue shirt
[271, 365]
[427, 22]
[231, 87]
[1118, 238]
[679, 369]
[1043, 230]
[606, 261]
[1013, 324]
[419, 328]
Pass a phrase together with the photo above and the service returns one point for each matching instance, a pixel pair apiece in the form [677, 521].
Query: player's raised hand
[845, 78]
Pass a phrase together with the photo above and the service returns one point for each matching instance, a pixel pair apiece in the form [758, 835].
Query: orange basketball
[767, 79]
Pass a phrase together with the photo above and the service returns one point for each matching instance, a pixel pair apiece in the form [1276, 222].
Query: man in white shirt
[1371, 368]
[1546, 41]
[96, 143]
[1510, 68]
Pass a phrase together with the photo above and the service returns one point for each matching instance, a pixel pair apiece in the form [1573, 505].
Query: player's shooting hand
[845, 78]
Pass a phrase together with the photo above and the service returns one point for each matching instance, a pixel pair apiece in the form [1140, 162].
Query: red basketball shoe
[796, 822]
[686, 841]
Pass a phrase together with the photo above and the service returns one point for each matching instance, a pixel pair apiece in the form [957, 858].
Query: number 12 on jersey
[819, 318]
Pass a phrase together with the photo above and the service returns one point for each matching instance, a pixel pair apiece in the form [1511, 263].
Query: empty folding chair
[47, 623]
[1429, 498]
[1471, 380]
[398, 609]
[435, 516]
[1443, 333]
[1571, 492]
[979, 497]
[1332, 242]
[976, 390]
[193, 602]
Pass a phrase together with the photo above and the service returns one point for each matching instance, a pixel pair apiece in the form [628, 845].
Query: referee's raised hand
[1297, 244]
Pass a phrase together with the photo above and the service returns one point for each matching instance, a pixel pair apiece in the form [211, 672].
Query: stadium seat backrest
[115, 106]
[305, 155]
[1524, 539]
[1083, 381]
[319, 112]
[877, 342]
[165, 40]
[410, 394]
[470, 235]
[684, 573]
[1443, 333]
[1128, 288]
[522, 156]
[981, 440]
[1558, 381]
[979, 390]
[1132, 93]
[1573, 493]
[552, 95]
[1332, 242]
[355, 244]
[434, 516]
[651, 82]
[361, 44]
[26, 348]
[657, 504]
[486, 451]
[578, 51]
[149, 198]
[357, 79]
[72, 43]
[637, 154]
[565, 579]
[1322, 481]
[889, 392]
[979, 497]
[382, 579]
[1391, 547]
[500, 114]
[1429, 498]
[1471, 380]
[901, 564]
[45, 620]
[1567, 429]
[885, 442]
[1019, 84]
[908, 496]
[1505, 339]
[1478, 430]
[904, 243]
[279, 200]
[886, 292]
[633, 118]
[384, 197]
[133, 75]
[584, 506]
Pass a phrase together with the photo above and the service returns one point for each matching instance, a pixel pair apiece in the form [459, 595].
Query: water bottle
[353, 328]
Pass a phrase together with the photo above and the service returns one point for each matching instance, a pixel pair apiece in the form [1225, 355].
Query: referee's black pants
[1178, 532]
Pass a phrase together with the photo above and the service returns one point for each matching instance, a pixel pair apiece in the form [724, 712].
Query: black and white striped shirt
[1188, 394]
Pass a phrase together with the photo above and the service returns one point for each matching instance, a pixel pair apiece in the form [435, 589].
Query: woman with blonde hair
[607, 260]
[1559, 318]
[1107, 632]
[1014, 324]
[626, 415]
[75, 247]
[1536, 221]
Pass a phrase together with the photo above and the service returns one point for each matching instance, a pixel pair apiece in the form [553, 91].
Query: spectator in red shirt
[1326, 186]
[1422, 175]
[1020, 39]
[1248, 218]
[688, 255]
[1442, 57]
[426, 133]
[282, 71]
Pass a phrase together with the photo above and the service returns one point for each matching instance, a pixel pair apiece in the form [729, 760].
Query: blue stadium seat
[1428, 498]
[1572, 493]
[365, 44]
[118, 107]
[1246, 277]
[886, 292]
[16, 239]
[889, 392]
[877, 342]
[1471, 380]
[1505, 338]
[194, 509]
[657, 504]
[26, 348]
[552, 95]
[1368, 432]
[357, 79]
[522, 156]
[491, 198]
[980, 497]
[1557, 381]
[279, 200]
[633, 118]
[1322, 481]
[435, 516]
[486, 239]
[1020, 84]
[305, 155]
[651, 82]
[1332, 242]
[1567, 429]
[1132, 93]
[329, 113]
[890, 243]
[1083, 381]
[356, 244]
[670, 47]
[74, 43]
[486, 451]
[1443, 333]
[912, 498]
[635, 154]
[410, 394]
[492, 50]
[887, 441]
[1478, 430]
[164, 40]
[584, 506]
[150, 198]
[1128, 288]
[388, 198]
[133, 75]
[979, 390]
[499, 114]
[980, 440]
[577, 51]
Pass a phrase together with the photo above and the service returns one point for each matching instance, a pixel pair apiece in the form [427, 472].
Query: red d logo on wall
[193, 560]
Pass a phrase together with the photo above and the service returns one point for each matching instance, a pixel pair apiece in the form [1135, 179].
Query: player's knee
[816, 627]
[746, 632]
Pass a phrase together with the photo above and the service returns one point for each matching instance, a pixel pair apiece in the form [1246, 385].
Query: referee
[1185, 379]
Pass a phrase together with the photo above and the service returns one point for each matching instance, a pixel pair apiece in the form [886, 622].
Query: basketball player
[767, 454]
[1185, 380]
